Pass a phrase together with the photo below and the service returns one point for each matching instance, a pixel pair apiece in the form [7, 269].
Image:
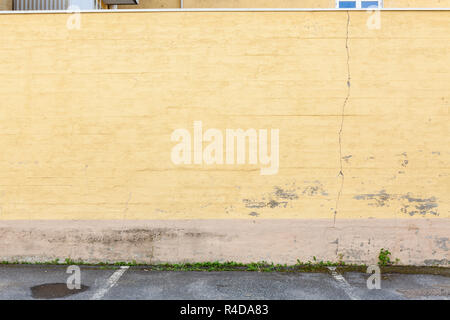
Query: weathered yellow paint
[86, 115]
[417, 3]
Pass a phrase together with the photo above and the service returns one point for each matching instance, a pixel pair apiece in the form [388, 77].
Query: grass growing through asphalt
[262, 266]
[310, 266]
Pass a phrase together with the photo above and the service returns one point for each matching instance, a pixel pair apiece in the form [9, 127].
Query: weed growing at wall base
[384, 258]
[320, 266]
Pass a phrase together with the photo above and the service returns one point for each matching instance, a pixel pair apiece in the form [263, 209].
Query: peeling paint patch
[315, 189]
[419, 206]
[437, 262]
[405, 161]
[381, 198]
[274, 204]
[347, 158]
[281, 196]
[442, 243]
[409, 204]
[254, 204]
[289, 194]
[261, 204]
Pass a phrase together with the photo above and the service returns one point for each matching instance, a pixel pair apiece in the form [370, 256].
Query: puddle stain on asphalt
[54, 290]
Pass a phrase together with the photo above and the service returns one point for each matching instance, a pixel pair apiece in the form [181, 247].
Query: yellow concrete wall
[259, 3]
[417, 3]
[86, 115]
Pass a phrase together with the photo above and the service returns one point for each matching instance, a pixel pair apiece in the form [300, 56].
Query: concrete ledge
[413, 241]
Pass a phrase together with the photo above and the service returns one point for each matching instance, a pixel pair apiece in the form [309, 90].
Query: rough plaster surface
[87, 116]
[413, 241]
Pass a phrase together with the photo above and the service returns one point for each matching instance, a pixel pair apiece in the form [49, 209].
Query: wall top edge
[220, 10]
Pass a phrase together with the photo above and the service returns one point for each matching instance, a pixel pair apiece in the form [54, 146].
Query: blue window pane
[347, 4]
[369, 4]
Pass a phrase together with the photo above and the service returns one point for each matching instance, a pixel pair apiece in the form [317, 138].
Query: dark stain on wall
[409, 204]
[282, 196]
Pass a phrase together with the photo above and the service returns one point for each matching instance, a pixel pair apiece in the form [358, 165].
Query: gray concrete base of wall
[413, 241]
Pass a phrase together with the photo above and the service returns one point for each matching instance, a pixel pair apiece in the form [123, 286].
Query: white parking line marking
[343, 284]
[111, 282]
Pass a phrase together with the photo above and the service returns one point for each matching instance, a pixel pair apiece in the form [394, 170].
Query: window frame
[358, 4]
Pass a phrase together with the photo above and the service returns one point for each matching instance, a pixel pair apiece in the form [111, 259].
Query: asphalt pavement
[50, 282]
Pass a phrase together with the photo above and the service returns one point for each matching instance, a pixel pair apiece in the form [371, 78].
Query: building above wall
[27, 5]
[123, 2]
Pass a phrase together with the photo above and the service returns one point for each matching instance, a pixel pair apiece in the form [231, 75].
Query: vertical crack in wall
[125, 210]
[341, 171]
